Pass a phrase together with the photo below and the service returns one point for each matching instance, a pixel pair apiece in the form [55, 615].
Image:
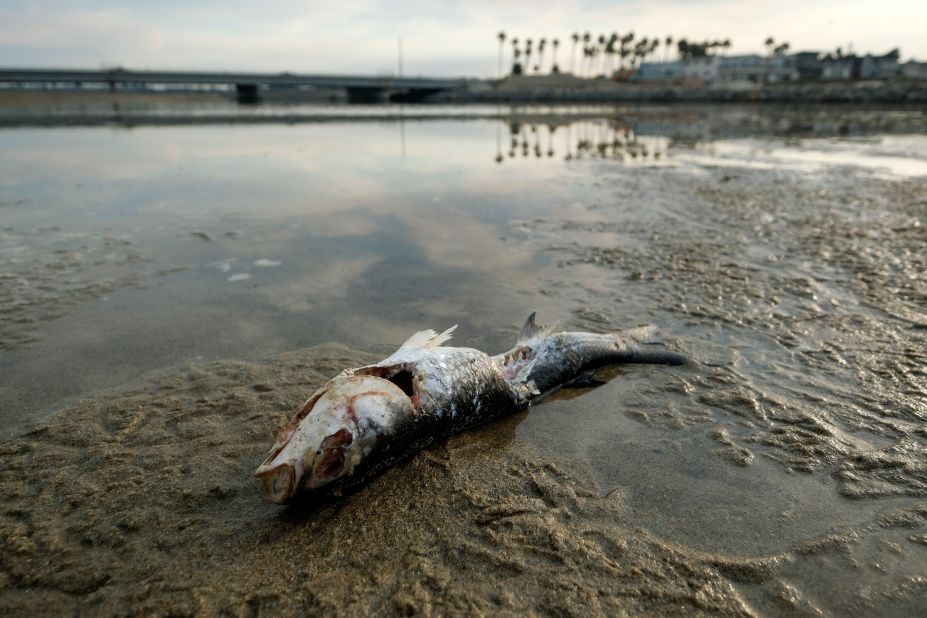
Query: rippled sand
[143, 501]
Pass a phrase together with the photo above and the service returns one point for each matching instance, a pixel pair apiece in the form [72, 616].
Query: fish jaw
[328, 441]
[278, 481]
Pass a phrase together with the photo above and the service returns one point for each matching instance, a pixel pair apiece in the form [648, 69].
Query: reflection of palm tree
[501, 37]
[514, 129]
[498, 142]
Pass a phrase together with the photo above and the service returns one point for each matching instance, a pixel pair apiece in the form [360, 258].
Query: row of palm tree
[605, 55]
[700, 49]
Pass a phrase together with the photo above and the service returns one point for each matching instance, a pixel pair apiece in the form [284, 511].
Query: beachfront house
[914, 70]
[756, 69]
[702, 69]
[746, 68]
[808, 65]
[659, 71]
[843, 67]
[885, 66]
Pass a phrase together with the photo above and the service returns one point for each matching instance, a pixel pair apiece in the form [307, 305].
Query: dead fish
[368, 418]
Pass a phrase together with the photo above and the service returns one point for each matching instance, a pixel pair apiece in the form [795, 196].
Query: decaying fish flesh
[366, 419]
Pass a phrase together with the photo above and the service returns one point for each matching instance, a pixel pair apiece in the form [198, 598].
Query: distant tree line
[701, 49]
[588, 55]
[608, 54]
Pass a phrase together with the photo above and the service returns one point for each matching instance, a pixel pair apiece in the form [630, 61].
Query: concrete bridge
[248, 86]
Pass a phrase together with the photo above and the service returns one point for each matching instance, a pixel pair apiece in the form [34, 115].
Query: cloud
[440, 38]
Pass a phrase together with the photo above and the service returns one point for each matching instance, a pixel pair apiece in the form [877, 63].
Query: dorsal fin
[427, 339]
[530, 330]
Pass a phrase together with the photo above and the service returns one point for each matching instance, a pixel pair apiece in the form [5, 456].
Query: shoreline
[564, 89]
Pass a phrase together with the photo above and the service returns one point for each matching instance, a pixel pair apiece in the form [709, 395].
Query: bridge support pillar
[367, 95]
[248, 94]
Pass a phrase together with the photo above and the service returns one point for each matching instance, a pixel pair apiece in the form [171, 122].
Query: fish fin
[428, 339]
[531, 329]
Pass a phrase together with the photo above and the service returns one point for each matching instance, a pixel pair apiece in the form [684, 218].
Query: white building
[756, 69]
[838, 68]
[703, 69]
[880, 67]
[659, 71]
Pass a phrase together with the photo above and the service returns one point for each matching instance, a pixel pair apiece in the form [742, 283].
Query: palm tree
[682, 46]
[554, 68]
[575, 38]
[726, 45]
[541, 47]
[527, 55]
[516, 53]
[587, 52]
[638, 52]
[769, 43]
[611, 50]
[501, 37]
[601, 49]
[667, 42]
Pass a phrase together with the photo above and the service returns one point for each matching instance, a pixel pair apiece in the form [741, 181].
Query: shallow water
[783, 249]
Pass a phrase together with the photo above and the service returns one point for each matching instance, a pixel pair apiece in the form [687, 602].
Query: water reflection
[361, 216]
[606, 138]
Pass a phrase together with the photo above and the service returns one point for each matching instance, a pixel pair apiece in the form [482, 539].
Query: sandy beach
[780, 473]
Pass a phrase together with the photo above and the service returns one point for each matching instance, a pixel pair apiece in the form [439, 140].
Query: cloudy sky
[440, 37]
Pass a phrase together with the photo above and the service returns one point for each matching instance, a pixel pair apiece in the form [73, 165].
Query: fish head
[332, 434]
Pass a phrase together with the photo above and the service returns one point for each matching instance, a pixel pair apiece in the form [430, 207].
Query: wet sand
[782, 473]
[143, 501]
